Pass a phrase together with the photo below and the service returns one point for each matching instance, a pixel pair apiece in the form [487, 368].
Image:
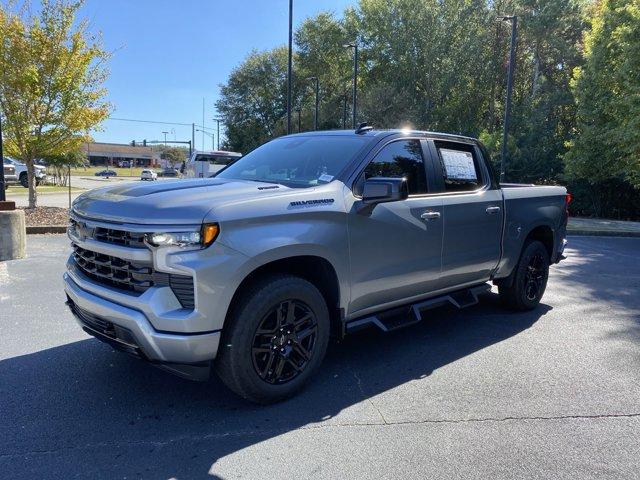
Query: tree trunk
[33, 195]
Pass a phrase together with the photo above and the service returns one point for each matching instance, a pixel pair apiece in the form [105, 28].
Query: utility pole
[354, 45]
[507, 109]
[203, 125]
[218, 120]
[315, 114]
[344, 112]
[3, 197]
[192, 145]
[165, 138]
[290, 66]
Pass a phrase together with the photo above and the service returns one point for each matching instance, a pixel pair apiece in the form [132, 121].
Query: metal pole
[218, 120]
[289, 66]
[355, 83]
[344, 112]
[203, 126]
[315, 117]
[507, 109]
[69, 181]
[193, 138]
[3, 197]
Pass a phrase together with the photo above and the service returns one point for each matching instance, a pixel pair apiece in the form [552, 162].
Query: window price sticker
[458, 165]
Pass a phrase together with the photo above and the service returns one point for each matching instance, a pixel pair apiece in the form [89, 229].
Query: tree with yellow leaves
[51, 82]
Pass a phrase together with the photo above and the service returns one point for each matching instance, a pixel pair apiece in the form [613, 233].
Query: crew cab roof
[380, 133]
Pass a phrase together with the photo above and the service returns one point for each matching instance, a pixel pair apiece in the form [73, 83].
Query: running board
[401, 317]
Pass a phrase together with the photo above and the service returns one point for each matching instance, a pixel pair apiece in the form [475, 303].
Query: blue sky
[168, 55]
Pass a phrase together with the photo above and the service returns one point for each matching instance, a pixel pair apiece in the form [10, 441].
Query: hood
[179, 202]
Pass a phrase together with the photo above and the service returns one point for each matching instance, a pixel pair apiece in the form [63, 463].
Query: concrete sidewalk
[603, 227]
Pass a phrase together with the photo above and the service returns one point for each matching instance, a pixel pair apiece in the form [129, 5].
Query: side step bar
[401, 317]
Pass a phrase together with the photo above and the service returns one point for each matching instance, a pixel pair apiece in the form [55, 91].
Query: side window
[459, 168]
[400, 159]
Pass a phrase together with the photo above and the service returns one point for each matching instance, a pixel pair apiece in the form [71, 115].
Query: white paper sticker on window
[458, 165]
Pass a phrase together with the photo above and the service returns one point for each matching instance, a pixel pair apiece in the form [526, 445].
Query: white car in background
[21, 171]
[148, 175]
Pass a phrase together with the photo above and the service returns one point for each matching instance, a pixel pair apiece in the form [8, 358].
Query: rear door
[472, 211]
[396, 250]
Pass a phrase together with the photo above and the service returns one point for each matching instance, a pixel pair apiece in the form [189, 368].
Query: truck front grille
[107, 235]
[131, 276]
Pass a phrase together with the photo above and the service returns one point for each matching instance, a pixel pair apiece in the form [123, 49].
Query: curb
[39, 229]
[602, 233]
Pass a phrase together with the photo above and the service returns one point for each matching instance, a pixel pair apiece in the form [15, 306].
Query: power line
[148, 121]
[158, 122]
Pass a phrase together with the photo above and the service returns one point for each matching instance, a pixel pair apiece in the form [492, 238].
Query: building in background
[120, 155]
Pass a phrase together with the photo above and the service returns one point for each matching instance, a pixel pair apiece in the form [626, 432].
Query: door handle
[492, 209]
[430, 215]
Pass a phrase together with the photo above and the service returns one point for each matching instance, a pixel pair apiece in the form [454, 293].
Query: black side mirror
[382, 190]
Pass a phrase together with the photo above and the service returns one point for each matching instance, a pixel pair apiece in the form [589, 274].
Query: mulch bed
[41, 216]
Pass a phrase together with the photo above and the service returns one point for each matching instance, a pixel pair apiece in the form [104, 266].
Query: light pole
[289, 66]
[213, 138]
[3, 197]
[218, 120]
[354, 45]
[165, 138]
[507, 109]
[315, 114]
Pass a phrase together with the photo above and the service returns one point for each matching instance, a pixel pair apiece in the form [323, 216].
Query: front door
[396, 250]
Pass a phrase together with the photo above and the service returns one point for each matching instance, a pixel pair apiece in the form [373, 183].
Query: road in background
[478, 393]
[19, 194]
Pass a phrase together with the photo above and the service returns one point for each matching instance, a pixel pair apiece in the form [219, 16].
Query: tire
[530, 278]
[273, 365]
[24, 180]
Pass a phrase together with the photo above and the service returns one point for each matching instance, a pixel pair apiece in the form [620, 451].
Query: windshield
[296, 161]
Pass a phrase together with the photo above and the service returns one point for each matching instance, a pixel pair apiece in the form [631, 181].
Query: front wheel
[275, 339]
[530, 278]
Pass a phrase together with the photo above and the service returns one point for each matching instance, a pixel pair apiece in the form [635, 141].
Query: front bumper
[129, 329]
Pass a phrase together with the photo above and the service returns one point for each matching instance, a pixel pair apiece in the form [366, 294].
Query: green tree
[51, 76]
[60, 164]
[253, 101]
[606, 141]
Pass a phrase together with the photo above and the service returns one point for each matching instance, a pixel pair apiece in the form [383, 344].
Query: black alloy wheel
[284, 341]
[534, 277]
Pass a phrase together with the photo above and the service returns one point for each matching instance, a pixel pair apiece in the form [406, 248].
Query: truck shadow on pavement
[81, 410]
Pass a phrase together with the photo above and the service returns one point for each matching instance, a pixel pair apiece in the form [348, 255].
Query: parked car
[106, 173]
[9, 175]
[169, 172]
[148, 175]
[309, 236]
[207, 163]
[40, 172]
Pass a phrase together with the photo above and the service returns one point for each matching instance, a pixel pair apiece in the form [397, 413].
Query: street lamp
[218, 120]
[507, 109]
[315, 115]
[354, 45]
[289, 66]
[213, 139]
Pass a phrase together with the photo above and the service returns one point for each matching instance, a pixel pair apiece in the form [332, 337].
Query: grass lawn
[42, 189]
[122, 172]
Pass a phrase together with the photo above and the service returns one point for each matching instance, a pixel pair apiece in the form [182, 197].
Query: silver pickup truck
[308, 237]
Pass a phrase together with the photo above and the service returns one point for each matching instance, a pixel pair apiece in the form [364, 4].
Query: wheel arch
[316, 269]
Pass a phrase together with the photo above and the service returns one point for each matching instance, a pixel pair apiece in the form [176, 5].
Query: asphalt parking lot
[478, 393]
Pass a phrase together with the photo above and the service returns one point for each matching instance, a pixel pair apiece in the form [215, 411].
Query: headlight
[202, 238]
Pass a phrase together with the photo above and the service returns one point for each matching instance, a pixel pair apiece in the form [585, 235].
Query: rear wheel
[530, 278]
[276, 337]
